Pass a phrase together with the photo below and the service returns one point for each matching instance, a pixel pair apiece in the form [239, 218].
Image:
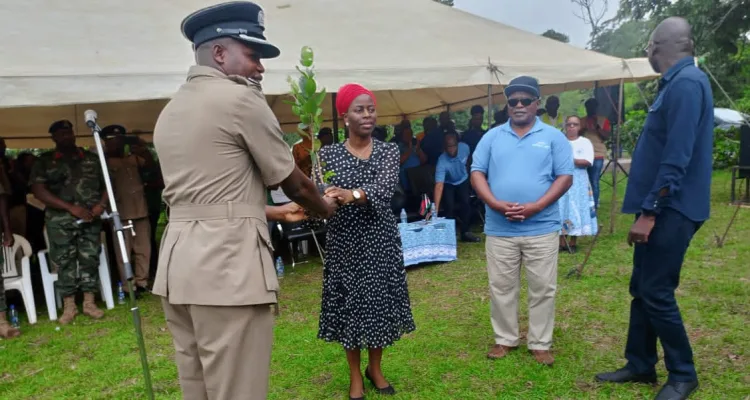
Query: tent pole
[334, 118]
[489, 106]
[615, 155]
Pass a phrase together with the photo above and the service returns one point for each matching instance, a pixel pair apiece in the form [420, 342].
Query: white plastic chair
[52, 296]
[22, 282]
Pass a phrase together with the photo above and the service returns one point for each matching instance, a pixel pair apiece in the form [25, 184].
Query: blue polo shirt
[452, 170]
[522, 169]
[675, 149]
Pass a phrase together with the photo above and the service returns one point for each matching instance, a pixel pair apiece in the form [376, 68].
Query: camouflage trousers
[74, 249]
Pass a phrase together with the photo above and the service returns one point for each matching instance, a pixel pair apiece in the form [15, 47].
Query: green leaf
[319, 98]
[305, 119]
[306, 56]
[296, 110]
[311, 107]
[310, 87]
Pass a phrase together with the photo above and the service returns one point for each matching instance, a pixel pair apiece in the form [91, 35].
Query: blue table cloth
[428, 241]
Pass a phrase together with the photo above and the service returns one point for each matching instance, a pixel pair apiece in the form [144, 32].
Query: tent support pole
[334, 118]
[489, 106]
[615, 155]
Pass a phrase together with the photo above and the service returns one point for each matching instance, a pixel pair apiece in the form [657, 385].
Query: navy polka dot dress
[365, 302]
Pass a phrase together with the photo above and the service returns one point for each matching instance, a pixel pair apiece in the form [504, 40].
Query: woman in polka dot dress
[365, 303]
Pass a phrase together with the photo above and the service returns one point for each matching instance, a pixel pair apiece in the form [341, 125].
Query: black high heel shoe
[388, 390]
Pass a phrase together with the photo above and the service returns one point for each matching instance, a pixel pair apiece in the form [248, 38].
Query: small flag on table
[426, 206]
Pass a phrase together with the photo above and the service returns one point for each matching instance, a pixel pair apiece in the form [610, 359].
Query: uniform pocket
[266, 258]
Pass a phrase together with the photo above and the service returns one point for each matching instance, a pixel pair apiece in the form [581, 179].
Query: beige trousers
[138, 248]
[222, 353]
[538, 254]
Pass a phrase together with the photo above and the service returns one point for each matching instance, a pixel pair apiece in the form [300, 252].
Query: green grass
[445, 357]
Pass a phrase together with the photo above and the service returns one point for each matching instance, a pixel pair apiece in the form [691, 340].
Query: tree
[592, 14]
[720, 30]
[555, 35]
[624, 41]
[446, 2]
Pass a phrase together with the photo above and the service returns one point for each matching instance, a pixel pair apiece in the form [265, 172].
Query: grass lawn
[445, 357]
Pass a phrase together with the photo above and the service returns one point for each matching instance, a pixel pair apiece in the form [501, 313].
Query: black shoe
[469, 237]
[388, 390]
[141, 290]
[623, 375]
[677, 390]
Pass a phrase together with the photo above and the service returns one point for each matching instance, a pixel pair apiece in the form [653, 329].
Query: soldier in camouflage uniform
[69, 181]
[6, 331]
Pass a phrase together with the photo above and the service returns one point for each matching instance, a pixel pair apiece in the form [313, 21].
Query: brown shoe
[499, 351]
[90, 308]
[69, 310]
[7, 331]
[543, 357]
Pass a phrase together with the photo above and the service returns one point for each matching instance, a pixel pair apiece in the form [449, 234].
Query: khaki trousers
[538, 254]
[138, 248]
[222, 353]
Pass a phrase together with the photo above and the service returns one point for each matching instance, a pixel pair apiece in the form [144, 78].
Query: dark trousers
[595, 172]
[458, 196]
[653, 310]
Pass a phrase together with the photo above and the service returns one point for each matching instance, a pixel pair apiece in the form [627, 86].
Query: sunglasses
[525, 102]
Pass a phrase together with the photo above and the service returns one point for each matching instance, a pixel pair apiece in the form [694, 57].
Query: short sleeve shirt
[453, 170]
[521, 170]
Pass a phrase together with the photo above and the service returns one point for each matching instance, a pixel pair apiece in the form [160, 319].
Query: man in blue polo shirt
[520, 169]
[452, 184]
[669, 191]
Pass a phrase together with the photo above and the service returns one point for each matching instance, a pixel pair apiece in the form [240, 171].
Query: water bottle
[14, 317]
[403, 216]
[279, 267]
[120, 294]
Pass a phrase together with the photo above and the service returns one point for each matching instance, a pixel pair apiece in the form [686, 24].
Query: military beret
[113, 130]
[60, 125]
[240, 20]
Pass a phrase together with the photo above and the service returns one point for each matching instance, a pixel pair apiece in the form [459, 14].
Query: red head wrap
[347, 94]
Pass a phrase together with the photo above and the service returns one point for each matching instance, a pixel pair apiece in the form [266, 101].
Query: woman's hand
[343, 196]
[292, 212]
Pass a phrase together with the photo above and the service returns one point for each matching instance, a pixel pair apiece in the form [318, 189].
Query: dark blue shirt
[674, 153]
[472, 137]
[432, 145]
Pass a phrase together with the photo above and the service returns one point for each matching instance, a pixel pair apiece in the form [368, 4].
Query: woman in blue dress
[577, 209]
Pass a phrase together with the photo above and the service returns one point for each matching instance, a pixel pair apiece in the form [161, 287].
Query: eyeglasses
[525, 102]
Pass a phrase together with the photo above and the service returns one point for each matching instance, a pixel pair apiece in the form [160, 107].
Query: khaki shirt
[128, 186]
[219, 146]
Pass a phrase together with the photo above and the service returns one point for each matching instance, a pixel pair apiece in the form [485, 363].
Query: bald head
[671, 41]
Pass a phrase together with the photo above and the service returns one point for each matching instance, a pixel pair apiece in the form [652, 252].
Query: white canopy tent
[125, 58]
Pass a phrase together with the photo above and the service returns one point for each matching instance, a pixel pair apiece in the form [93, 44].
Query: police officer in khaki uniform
[220, 146]
[131, 201]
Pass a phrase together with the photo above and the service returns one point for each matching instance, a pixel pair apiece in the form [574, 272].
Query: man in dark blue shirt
[669, 191]
[475, 132]
[432, 143]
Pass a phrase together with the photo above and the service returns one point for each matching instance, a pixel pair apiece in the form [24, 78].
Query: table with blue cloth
[428, 241]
